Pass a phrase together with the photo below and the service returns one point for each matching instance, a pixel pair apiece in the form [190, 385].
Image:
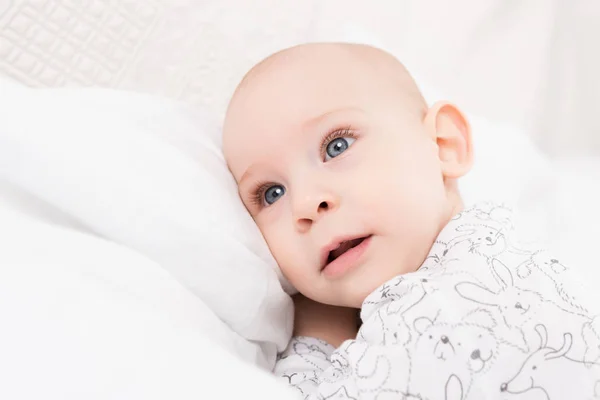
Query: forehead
[280, 105]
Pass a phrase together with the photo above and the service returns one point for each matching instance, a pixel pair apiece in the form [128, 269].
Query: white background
[532, 63]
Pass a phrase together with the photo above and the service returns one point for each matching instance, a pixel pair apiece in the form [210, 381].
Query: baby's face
[340, 173]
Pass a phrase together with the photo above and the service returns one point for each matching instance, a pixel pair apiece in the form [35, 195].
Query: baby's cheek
[284, 247]
[276, 242]
[268, 229]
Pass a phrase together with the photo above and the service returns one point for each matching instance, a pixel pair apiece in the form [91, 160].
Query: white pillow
[83, 318]
[148, 174]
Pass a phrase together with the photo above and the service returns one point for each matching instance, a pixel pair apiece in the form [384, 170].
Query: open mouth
[338, 250]
[343, 247]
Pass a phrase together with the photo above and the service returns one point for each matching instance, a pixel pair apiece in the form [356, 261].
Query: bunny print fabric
[484, 317]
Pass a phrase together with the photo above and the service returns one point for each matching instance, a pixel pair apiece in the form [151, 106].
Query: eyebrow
[248, 173]
[318, 119]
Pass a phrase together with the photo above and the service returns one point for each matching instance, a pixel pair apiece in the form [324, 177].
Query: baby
[353, 181]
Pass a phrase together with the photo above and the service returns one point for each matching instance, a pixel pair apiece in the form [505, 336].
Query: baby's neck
[455, 206]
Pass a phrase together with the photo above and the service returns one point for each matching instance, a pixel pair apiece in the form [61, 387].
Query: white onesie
[483, 318]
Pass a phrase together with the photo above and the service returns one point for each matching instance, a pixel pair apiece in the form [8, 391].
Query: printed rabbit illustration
[399, 295]
[522, 309]
[485, 240]
[558, 274]
[405, 298]
[386, 328]
[542, 371]
[495, 213]
[438, 257]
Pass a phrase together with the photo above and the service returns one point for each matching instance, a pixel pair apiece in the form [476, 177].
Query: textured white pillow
[148, 174]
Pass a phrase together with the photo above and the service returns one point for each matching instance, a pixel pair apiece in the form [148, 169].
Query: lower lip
[346, 261]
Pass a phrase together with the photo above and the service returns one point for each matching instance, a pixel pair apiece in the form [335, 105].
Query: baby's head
[348, 173]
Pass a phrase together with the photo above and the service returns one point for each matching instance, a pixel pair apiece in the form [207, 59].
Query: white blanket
[82, 318]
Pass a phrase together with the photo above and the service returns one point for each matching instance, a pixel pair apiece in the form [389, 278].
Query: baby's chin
[355, 293]
[354, 289]
[338, 298]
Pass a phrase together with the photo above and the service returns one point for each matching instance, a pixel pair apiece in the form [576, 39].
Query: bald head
[380, 65]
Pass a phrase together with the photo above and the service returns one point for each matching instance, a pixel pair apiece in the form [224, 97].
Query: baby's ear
[451, 131]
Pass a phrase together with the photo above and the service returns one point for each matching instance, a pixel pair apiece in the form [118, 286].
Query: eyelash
[258, 193]
[345, 132]
[260, 188]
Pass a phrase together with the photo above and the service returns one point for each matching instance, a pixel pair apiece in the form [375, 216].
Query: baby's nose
[504, 387]
[476, 354]
[309, 209]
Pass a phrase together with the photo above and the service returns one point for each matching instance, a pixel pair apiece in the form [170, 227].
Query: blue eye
[273, 194]
[337, 146]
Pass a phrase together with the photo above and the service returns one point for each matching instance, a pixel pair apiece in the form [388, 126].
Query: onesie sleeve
[303, 364]
[358, 367]
[318, 371]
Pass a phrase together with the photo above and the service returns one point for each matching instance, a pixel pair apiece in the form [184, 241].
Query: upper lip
[335, 243]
